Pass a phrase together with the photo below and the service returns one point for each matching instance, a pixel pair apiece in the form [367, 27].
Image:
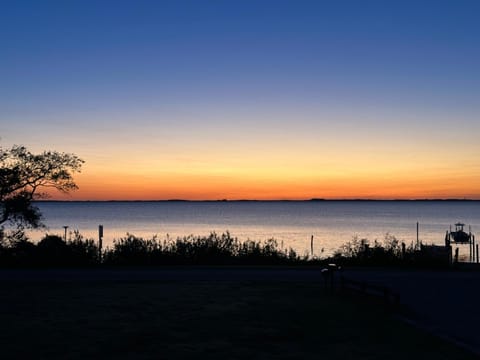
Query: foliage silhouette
[23, 177]
[214, 249]
[390, 252]
[51, 251]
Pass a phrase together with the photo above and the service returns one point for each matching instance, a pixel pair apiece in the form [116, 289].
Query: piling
[100, 238]
[311, 245]
[473, 248]
[418, 245]
[470, 248]
[477, 254]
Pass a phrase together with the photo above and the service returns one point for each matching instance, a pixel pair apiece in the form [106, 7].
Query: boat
[459, 235]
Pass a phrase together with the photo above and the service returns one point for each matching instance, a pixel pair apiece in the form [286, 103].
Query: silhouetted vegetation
[53, 251]
[361, 252]
[390, 252]
[23, 176]
[197, 250]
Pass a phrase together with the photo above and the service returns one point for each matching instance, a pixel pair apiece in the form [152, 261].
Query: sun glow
[277, 176]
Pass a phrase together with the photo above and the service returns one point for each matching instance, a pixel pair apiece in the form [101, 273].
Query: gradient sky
[248, 99]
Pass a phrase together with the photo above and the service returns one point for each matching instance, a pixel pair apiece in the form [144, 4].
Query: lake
[292, 223]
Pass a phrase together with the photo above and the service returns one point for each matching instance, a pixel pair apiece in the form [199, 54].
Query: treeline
[214, 249]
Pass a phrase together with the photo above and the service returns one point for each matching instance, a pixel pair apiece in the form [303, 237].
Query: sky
[248, 99]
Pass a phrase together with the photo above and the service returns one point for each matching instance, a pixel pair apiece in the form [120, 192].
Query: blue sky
[84, 76]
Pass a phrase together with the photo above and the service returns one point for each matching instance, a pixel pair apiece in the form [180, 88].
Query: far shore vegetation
[264, 200]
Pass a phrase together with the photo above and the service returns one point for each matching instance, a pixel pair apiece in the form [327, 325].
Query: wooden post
[473, 248]
[311, 245]
[470, 248]
[65, 227]
[477, 254]
[331, 281]
[418, 245]
[325, 274]
[100, 238]
[456, 255]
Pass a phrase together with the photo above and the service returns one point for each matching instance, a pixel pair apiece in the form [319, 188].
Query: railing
[390, 297]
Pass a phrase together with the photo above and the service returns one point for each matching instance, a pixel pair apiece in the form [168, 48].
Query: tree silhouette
[25, 176]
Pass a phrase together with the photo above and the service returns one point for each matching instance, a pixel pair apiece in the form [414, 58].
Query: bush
[213, 249]
[390, 252]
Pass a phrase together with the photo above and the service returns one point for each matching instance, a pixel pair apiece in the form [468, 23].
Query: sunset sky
[248, 99]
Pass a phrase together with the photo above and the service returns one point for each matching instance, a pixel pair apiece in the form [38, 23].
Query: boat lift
[461, 237]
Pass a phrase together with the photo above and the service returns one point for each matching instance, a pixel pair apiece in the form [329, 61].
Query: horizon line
[257, 200]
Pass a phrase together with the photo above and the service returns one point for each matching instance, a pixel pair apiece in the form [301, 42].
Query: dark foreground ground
[446, 303]
[199, 313]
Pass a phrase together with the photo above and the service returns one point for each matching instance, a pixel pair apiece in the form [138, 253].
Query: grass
[202, 319]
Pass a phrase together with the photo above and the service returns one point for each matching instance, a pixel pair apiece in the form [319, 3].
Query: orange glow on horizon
[210, 187]
[279, 168]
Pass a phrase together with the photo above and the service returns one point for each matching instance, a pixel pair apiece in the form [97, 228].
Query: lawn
[202, 319]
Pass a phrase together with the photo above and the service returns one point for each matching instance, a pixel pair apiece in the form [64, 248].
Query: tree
[24, 177]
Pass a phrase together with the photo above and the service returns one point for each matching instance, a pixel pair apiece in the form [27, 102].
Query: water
[332, 223]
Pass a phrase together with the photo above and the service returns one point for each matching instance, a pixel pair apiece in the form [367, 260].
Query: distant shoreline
[254, 200]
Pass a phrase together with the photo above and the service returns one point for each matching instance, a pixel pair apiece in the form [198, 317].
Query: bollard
[333, 268]
[477, 254]
[311, 246]
[100, 240]
[325, 273]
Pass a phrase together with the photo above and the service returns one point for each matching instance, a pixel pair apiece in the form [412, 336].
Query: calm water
[332, 223]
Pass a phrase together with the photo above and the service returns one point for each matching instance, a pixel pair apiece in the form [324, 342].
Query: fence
[390, 298]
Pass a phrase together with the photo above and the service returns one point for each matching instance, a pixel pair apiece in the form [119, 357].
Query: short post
[100, 238]
[325, 273]
[477, 254]
[418, 244]
[311, 245]
[65, 236]
[456, 255]
[473, 248]
[470, 248]
[332, 269]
